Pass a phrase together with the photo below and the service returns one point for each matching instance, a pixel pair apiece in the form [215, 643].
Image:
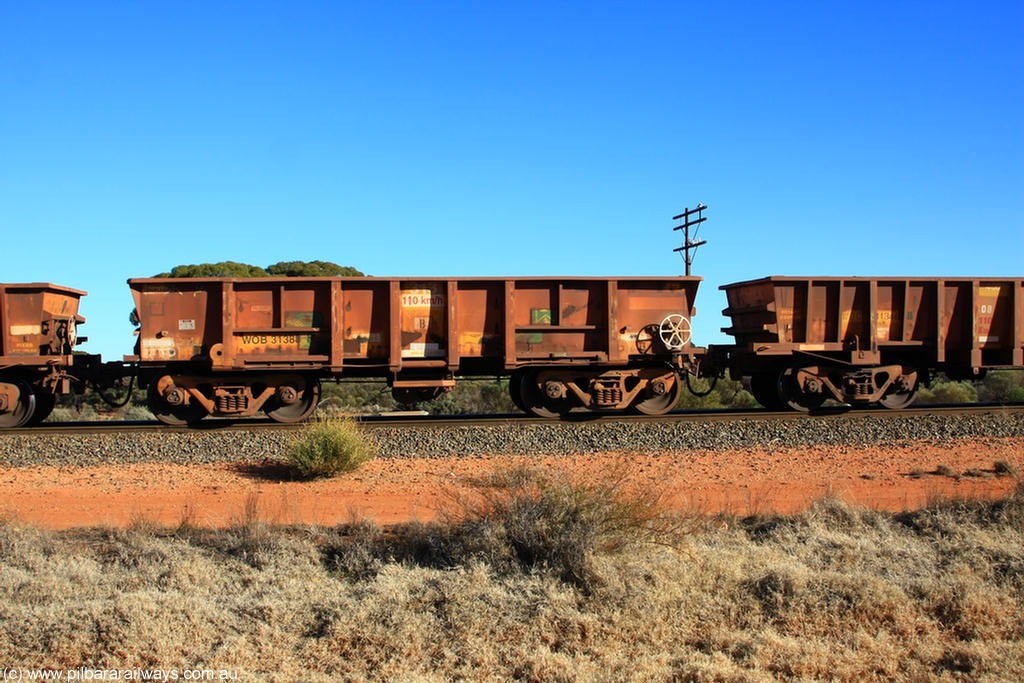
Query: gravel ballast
[258, 445]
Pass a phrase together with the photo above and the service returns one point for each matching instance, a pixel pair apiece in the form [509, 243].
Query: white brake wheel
[675, 331]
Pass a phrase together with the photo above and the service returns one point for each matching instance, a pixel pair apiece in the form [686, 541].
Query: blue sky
[476, 139]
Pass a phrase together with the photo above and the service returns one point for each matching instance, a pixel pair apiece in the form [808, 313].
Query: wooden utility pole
[687, 224]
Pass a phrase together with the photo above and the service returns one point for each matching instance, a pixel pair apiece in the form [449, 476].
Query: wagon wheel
[175, 415]
[293, 404]
[515, 389]
[902, 393]
[764, 388]
[794, 395]
[659, 405]
[674, 331]
[19, 414]
[537, 402]
[46, 400]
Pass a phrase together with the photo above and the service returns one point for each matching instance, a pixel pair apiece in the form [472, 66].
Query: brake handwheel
[674, 331]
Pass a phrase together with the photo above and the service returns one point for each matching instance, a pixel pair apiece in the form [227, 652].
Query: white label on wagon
[422, 350]
[158, 349]
[186, 324]
[21, 330]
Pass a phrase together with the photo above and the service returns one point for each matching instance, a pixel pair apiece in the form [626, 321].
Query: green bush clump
[328, 447]
[946, 391]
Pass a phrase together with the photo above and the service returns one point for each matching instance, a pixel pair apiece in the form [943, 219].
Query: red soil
[743, 482]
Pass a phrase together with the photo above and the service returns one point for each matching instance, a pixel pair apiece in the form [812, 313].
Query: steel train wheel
[20, 414]
[764, 388]
[515, 389]
[898, 400]
[46, 400]
[299, 409]
[659, 405]
[794, 396]
[902, 396]
[535, 400]
[188, 413]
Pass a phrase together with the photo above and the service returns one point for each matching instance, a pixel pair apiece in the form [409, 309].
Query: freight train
[231, 347]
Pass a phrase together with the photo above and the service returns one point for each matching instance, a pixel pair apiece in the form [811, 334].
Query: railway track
[415, 420]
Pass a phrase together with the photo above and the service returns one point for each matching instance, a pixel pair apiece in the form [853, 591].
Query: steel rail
[508, 420]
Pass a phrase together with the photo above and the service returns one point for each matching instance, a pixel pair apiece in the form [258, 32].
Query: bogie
[186, 399]
[553, 392]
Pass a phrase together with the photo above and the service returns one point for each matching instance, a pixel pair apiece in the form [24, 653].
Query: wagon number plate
[269, 339]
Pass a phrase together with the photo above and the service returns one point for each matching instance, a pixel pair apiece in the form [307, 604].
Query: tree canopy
[312, 269]
[280, 269]
[222, 269]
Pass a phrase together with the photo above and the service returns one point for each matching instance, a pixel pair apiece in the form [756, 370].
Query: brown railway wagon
[235, 346]
[802, 340]
[38, 330]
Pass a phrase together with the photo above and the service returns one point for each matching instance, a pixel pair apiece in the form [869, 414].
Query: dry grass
[836, 593]
[520, 519]
[1004, 468]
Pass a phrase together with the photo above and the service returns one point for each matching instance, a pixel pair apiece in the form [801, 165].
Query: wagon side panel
[179, 320]
[365, 322]
[753, 312]
[38, 321]
[640, 308]
[278, 322]
[480, 315]
[998, 322]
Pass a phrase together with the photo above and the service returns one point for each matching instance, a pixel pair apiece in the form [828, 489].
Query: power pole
[687, 224]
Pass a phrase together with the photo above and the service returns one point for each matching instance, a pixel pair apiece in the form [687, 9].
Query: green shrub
[726, 393]
[946, 391]
[1002, 386]
[328, 447]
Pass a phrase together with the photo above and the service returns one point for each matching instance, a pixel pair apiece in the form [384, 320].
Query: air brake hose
[112, 402]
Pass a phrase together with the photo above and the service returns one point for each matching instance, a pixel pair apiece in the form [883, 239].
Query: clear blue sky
[474, 138]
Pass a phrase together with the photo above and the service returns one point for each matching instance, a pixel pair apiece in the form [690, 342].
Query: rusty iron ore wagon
[233, 347]
[38, 330]
[802, 340]
[236, 347]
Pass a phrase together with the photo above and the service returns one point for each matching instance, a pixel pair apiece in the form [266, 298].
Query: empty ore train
[235, 347]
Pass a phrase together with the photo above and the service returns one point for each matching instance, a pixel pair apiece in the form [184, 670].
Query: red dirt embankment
[754, 481]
